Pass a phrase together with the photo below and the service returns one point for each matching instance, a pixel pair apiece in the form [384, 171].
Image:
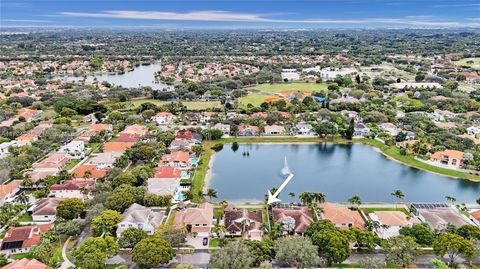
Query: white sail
[285, 170]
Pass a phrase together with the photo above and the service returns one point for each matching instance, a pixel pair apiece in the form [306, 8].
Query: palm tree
[450, 199]
[87, 174]
[355, 201]
[372, 225]
[319, 197]
[23, 199]
[292, 195]
[306, 197]
[398, 194]
[211, 193]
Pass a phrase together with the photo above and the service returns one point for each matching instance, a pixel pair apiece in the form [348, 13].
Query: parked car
[205, 241]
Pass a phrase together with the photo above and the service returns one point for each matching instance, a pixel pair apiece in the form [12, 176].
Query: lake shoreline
[205, 182]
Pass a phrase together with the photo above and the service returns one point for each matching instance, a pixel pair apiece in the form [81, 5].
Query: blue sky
[211, 14]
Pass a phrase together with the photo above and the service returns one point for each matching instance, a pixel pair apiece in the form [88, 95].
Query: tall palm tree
[319, 197]
[451, 199]
[306, 198]
[211, 193]
[292, 195]
[23, 199]
[355, 201]
[398, 194]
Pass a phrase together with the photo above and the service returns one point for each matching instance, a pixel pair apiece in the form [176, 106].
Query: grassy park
[258, 93]
[468, 62]
[191, 105]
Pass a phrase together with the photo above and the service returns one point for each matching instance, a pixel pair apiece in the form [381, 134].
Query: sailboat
[285, 170]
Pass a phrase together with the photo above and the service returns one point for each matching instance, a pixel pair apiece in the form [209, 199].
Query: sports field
[193, 105]
[265, 92]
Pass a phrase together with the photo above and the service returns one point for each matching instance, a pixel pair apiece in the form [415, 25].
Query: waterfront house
[170, 172]
[341, 216]
[242, 222]
[72, 189]
[179, 159]
[304, 129]
[140, 217]
[300, 214]
[197, 220]
[390, 128]
[274, 130]
[361, 130]
[164, 118]
[439, 215]
[449, 158]
[225, 128]
[21, 239]
[248, 130]
[392, 222]
[9, 191]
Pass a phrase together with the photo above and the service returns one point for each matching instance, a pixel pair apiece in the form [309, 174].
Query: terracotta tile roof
[73, 185]
[168, 172]
[95, 172]
[135, 129]
[30, 235]
[476, 215]
[56, 160]
[301, 214]
[126, 137]
[448, 153]
[234, 218]
[198, 215]
[164, 114]
[394, 218]
[97, 127]
[117, 146]
[6, 189]
[26, 264]
[184, 135]
[178, 156]
[340, 215]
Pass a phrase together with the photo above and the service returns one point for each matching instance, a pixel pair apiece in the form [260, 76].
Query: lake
[140, 76]
[339, 171]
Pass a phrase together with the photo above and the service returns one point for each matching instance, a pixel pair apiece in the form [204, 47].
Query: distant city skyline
[242, 14]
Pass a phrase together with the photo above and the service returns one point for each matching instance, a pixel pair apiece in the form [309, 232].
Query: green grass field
[258, 93]
[193, 105]
[463, 62]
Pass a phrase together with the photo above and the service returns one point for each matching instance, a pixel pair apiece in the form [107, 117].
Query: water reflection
[340, 171]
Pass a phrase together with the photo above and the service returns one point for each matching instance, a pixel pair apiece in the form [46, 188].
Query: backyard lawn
[258, 93]
[191, 105]
[25, 218]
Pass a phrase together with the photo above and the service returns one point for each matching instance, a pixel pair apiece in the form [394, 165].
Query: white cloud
[215, 15]
[13, 20]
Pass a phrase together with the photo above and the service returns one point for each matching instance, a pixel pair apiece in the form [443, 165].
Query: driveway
[199, 258]
[197, 242]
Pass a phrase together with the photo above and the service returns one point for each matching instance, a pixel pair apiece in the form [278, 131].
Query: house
[206, 117]
[248, 130]
[442, 115]
[439, 216]
[140, 217]
[473, 130]
[25, 263]
[21, 239]
[105, 159]
[301, 215]
[449, 158]
[53, 163]
[167, 186]
[90, 171]
[361, 130]
[179, 159]
[242, 222]
[45, 210]
[225, 128]
[170, 172]
[416, 85]
[182, 145]
[390, 128]
[117, 146]
[76, 149]
[72, 189]
[95, 129]
[197, 220]
[261, 115]
[304, 129]
[274, 130]
[5, 148]
[9, 191]
[392, 222]
[341, 216]
[135, 129]
[128, 138]
[164, 118]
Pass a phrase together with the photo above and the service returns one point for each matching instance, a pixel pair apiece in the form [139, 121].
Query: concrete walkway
[66, 262]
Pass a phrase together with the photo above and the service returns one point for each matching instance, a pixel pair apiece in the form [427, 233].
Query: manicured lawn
[20, 256]
[373, 209]
[258, 93]
[25, 218]
[72, 164]
[213, 242]
[463, 62]
[394, 153]
[193, 105]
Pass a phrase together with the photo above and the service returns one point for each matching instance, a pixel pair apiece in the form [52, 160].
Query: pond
[339, 171]
[140, 76]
